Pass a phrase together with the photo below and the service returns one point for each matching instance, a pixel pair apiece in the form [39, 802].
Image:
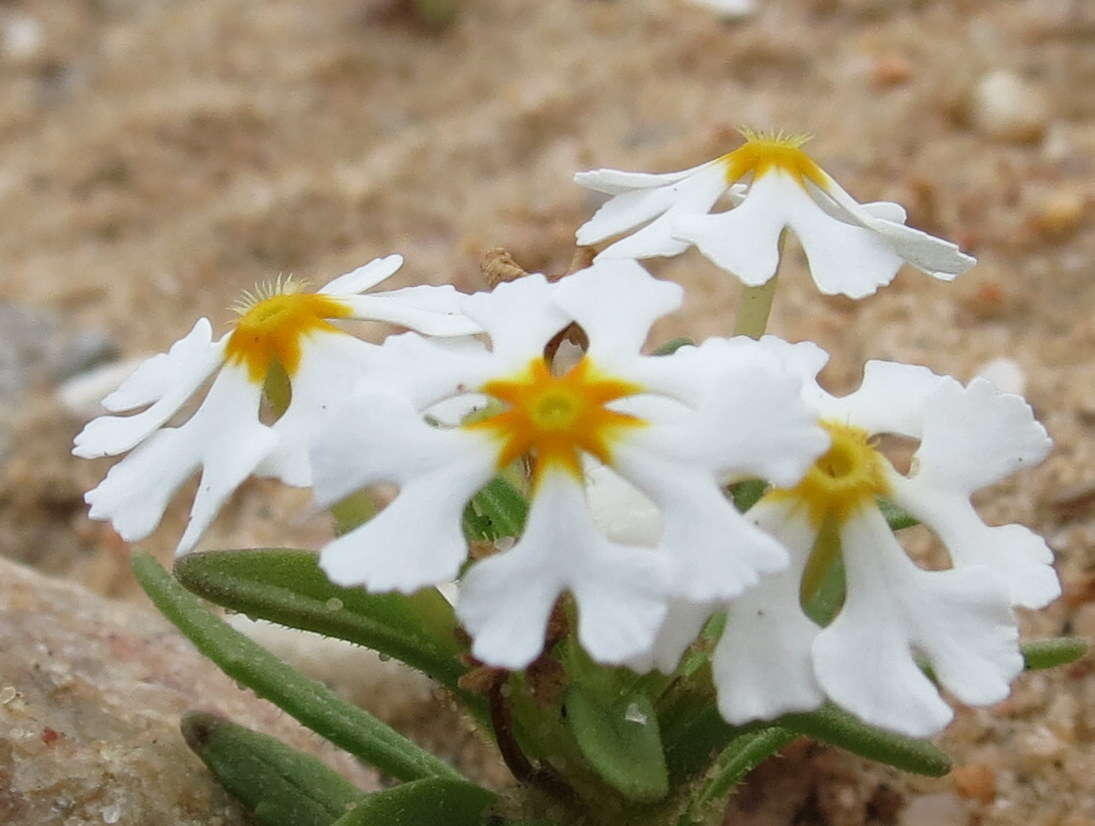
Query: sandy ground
[156, 158]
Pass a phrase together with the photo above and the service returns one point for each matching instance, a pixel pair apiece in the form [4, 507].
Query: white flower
[896, 617]
[852, 248]
[280, 326]
[674, 426]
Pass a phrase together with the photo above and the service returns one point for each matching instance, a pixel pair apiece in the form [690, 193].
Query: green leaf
[433, 802]
[621, 743]
[837, 727]
[287, 587]
[744, 754]
[673, 345]
[895, 516]
[1052, 653]
[353, 511]
[499, 509]
[310, 702]
[280, 785]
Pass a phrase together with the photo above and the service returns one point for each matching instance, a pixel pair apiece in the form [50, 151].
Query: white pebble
[1008, 107]
[1005, 373]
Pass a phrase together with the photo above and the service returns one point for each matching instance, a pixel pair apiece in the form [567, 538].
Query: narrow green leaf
[1052, 653]
[895, 516]
[432, 802]
[499, 509]
[739, 758]
[673, 345]
[747, 493]
[621, 743]
[837, 727]
[353, 511]
[280, 785]
[287, 587]
[310, 702]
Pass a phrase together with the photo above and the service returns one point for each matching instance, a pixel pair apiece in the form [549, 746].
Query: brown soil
[157, 158]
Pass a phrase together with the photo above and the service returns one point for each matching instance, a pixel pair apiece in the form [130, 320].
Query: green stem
[756, 303]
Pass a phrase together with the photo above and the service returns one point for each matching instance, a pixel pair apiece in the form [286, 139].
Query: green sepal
[432, 802]
[673, 345]
[747, 493]
[1052, 653]
[287, 587]
[498, 510]
[308, 701]
[895, 517]
[620, 742]
[278, 784]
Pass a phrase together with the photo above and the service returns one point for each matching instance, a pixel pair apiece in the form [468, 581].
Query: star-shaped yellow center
[557, 418]
[764, 151]
[849, 475]
[272, 325]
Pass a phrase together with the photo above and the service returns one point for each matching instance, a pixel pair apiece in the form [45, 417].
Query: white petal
[329, 364]
[762, 665]
[717, 553]
[428, 371]
[934, 256]
[520, 317]
[619, 509]
[416, 540]
[167, 380]
[1016, 555]
[232, 443]
[804, 358]
[681, 627]
[892, 398]
[155, 377]
[224, 438]
[620, 591]
[745, 240]
[694, 195]
[364, 277]
[427, 309]
[976, 436]
[615, 182]
[959, 620]
[616, 303]
[844, 259]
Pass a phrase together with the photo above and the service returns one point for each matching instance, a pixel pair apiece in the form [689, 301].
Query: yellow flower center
[848, 476]
[271, 327]
[557, 418]
[765, 151]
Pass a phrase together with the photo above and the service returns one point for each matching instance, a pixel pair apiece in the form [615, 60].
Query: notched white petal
[428, 309]
[166, 380]
[958, 620]
[520, 317]
[620, 591]
[892, 398]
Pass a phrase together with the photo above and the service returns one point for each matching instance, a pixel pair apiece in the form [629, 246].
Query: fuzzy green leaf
[744, 754]
[499, 509]
[288, 587]
[280, 785]
[1052, 653]
[433, 802]
[621, 742]
[895, 516]
[747, 493]
[310, 702]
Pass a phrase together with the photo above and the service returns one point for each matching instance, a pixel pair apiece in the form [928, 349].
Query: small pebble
[1005, 373]
[891, 70]
[1010, 108]
[944, 809]
[1058, 214]
[976, 781]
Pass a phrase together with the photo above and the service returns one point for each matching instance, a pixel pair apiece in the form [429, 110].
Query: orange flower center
[270, 330]
[763, 151]
[557, 418]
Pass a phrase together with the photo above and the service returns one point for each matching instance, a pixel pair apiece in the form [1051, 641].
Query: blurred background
[157, 157]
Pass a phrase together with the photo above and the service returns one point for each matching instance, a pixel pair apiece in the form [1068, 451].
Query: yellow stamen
[764, 151]
[556, 418]
[274, 318]
[849, 476]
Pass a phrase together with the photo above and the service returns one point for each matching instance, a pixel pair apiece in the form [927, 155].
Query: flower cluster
[628, 458]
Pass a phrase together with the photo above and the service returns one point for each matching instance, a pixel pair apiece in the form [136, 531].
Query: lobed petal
[364, 277]
[166, 381]
[958, 620]
[520, 317]
[428, 309]
[892, 398]
[621, 591]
